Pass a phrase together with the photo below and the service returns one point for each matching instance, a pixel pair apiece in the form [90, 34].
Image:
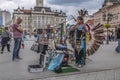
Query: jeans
[17, 45]
[4, 43]
[80, 57]
[118, 47]
[3, 46]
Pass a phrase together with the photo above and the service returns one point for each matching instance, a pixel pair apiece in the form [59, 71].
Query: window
[35, 17]
[28, 18]
[61, 20]
[116, 17]
[104, 17]
[39, 18]
[43, 18]
[47, 21]
[25, 24]
[40, 1]
[38, 23]
[25, 18]
[34, 23]
[43, 10]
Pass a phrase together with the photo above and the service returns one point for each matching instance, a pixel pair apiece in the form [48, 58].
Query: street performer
[42, 47]
[80, 41]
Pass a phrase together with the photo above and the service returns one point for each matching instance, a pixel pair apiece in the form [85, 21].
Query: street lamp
[115, 33]
[109, 18]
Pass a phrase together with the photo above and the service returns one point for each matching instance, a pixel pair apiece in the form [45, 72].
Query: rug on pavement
[68, 69]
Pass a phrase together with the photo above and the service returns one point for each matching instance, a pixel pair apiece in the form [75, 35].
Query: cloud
[13, 4]
[27, 3]
[67, 2]
[69, 6]
[8, 5]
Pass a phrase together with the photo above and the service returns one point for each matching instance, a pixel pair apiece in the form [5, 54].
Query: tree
[107, 26]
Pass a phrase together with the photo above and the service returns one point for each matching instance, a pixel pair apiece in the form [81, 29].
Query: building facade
[39, 17]
[109, 13]
[0, 21]
[5, 18]
[88, 17]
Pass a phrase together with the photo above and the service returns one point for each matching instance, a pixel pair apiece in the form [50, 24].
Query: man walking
[118, 38]
[17, 35]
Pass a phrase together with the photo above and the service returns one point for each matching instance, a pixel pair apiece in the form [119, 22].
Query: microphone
[73, 18]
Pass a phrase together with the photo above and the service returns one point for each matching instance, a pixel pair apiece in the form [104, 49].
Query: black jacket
[118, 33]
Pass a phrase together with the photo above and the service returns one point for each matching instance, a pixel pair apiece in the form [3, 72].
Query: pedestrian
[6, 37]
[112, 37]
[109, 37]
[17, 35]
[42, 45]
[35, 35]
[118, 39]
[80, 45]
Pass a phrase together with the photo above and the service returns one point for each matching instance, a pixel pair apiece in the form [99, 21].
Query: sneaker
[1, 52]
[80, 66]
[75, 64]
[13, 59]
[16, 60]
[9, 51]
[117, 52]
[19, 58]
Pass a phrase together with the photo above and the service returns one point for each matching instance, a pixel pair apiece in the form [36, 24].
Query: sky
[71, 7]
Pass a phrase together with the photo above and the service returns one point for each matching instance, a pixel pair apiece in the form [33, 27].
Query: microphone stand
[61, 28]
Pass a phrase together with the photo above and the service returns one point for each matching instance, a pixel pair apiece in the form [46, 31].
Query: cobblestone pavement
[104, 59]
[100, 75]
[103, 65]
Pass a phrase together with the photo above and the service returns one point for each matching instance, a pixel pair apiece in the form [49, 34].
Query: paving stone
[100, 75]
[117, 74]
[91, 76]
[104, 58]
[110, 75]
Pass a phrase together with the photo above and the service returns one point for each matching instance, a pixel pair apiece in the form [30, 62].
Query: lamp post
[115, 34]
[61, 34]
[109, 18]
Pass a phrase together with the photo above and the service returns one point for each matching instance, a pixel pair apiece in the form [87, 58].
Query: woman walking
[118, 39]
[6, 36]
